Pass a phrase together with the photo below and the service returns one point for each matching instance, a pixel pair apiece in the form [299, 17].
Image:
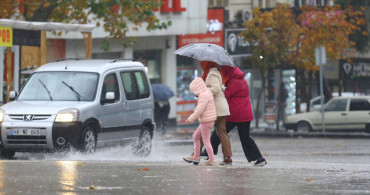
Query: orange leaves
[143, 169]
[46, 4]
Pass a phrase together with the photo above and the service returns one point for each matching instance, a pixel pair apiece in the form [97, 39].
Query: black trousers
[250, 148]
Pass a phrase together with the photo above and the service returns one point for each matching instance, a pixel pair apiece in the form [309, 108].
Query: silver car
[340, 113]
[81, 104]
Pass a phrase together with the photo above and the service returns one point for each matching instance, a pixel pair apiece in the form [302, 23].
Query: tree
[116, 16]
[290, 39]
[362, 40]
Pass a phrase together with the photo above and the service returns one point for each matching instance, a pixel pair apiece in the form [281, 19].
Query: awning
[46, 26]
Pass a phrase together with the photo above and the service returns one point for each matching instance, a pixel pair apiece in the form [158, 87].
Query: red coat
[237, 95]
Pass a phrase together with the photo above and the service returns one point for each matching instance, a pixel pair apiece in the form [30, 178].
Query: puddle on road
[161, 151]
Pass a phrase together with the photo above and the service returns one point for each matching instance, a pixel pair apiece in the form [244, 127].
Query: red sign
[176, 6]
[165, 6]
[215, 34]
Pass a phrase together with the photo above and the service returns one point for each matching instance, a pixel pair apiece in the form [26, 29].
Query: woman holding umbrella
[214, 81]
[211, 57]
[241, 115]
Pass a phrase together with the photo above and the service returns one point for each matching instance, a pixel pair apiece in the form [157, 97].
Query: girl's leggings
[204, 131]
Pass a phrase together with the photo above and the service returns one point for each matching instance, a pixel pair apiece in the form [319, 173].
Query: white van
[81, 104]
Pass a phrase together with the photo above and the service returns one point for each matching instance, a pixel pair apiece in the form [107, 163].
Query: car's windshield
[60, 86]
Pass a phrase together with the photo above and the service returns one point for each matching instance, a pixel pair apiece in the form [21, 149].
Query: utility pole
[320, 58]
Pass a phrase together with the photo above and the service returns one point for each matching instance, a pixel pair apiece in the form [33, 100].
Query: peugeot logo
[28, 117]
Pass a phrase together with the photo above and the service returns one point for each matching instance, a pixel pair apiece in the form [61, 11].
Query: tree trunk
[326, 87]
[259, 99]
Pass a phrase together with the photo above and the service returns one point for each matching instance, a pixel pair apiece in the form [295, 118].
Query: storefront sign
[215, 31]
[235, 45]
[26, 37]
[359, 67]
[6, 36]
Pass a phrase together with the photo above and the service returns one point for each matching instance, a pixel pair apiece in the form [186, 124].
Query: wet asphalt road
[295, 166]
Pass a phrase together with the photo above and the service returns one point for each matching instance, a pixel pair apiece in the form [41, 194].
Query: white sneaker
[260, 162]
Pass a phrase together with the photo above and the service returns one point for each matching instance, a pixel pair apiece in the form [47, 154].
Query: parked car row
[340, 113]
[81, 104]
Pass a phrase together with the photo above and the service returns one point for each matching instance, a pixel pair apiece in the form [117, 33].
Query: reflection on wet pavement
[295, 166]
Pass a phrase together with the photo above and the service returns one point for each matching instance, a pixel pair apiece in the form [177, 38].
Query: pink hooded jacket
[205, 110]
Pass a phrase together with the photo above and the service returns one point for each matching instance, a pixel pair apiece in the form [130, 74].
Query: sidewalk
[182, 134]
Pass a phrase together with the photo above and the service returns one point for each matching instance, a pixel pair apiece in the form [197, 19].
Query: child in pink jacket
[205, 112]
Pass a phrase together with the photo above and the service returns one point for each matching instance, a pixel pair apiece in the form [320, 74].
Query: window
[142, 84]
[217, 3]
[359, 105]
[135, 84]
[337, 105]
[129, 86]
[111, 85]
[264, 3]
[151, 59]
[60, 86]
[316, 102]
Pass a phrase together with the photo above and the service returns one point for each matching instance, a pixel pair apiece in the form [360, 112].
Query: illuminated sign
[6, 36]
[235, 45]
[215, 31]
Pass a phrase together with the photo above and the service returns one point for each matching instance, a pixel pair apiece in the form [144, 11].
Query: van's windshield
[60, 86]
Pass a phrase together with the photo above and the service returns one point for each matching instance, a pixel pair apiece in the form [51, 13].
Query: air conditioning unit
[247, 15]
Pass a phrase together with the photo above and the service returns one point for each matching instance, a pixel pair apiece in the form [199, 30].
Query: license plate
[25, 132]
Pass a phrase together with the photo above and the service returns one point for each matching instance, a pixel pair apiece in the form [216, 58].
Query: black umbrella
[162, 92]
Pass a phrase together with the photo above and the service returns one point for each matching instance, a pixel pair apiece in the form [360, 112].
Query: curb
[185, 137]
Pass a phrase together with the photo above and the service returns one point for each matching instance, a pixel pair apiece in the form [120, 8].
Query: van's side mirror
[109, 98]
[12, 95]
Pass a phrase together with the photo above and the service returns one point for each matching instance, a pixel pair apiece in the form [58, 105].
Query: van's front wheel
[88, 144]
[143, 145]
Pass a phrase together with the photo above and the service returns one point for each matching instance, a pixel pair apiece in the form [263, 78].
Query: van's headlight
[2, 113]
[65, 116]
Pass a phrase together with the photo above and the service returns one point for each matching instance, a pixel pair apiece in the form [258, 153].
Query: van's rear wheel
[88, 144]
[6, 154]
[143, 145]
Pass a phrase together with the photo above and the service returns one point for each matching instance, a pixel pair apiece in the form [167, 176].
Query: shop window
[106, 55]
[186, 72]
[152, 60]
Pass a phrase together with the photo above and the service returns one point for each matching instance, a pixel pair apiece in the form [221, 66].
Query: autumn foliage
[290, 36]
[285, 36]
[116, 16]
